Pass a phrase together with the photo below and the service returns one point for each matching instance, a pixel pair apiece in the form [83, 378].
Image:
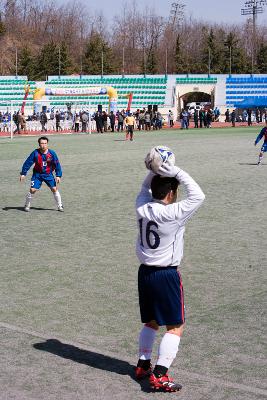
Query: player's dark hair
[43, 138]
[161, 186]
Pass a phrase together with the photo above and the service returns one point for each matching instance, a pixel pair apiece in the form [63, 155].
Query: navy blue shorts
[38, 179]
[161, 295]
[264, 147]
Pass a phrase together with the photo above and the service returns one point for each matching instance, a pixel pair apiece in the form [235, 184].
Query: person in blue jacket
[262, 134]
[45, 162]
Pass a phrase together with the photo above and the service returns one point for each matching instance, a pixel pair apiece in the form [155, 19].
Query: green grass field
[69, 317]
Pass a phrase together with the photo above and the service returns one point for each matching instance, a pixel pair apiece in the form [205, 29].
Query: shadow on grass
[92, 359]
[32, 208]
[251, 163]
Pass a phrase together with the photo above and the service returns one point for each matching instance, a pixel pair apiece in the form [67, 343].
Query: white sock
[168, 349]
[260, 159]
[146, 341]
[28, 199]
[58, 198]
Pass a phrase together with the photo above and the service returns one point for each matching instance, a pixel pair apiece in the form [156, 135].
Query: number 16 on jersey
[149, 234]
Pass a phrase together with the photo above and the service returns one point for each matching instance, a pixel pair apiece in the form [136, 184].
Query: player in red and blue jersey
[262, 134]
[45, 164]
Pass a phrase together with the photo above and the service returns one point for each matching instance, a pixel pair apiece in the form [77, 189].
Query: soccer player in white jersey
[159, 248]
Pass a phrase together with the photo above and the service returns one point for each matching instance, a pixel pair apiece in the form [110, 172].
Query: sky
[219, 11]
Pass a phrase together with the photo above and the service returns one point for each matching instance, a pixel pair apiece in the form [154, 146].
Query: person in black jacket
[43, 121]
[196, 118]
[112, 120]
[57, 117]
[99, 122]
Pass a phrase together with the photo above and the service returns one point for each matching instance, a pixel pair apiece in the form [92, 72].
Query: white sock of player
[146, 341]
[260, 159]
[168, 349]
[28, 199]
[58, 198]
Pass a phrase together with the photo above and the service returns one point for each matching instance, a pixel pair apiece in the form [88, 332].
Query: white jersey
[161, 227]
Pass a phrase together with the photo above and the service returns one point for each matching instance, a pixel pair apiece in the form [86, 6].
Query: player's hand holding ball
[168, 171]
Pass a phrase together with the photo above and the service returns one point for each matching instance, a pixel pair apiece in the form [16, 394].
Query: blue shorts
[161, 295]
[264, 147]
[38, 179]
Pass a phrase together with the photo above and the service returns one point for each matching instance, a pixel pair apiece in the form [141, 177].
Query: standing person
[244, 115]
[184, 122]
[227, 115]
[105, 121]
[99, 122]
[141, 125]
[112, 120]
[201, 117]
[233, 118]
[57, 117]
[43, 121]
[148, 121]
[249, 117]
[76, 123]
[216, 114]
[196, 118]
[45, 163]
[159, 120]
[17, 122]
[22, 121]
[170, 118]
[120, 121]
[257, 114]
[159, 248]
[209, 116]
[130, 120]
[262, 134]
[84, 120]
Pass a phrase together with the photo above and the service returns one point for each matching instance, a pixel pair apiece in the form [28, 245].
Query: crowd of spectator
[102, 121]
[203, 118]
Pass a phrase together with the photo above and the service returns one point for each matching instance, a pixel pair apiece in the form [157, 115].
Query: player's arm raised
[145, 195]
[194, 194]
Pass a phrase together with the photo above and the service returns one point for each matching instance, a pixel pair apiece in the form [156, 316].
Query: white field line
[192, 375]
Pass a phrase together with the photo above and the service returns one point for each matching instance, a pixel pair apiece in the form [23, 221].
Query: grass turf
[73, 276]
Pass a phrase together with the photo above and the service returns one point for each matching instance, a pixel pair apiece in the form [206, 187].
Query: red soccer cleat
[164, 383]
[141, 373]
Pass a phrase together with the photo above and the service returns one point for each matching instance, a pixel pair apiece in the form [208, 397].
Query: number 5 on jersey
[148, 234]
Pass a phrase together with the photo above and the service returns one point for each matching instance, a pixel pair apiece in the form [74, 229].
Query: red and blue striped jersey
[44, 163]
[263, 133]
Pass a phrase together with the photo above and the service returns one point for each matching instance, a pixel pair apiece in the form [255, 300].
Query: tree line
[40, 38]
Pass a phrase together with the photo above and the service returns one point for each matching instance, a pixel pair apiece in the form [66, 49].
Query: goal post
[70, 111]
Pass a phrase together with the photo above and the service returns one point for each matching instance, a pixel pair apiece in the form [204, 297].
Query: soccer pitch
[69, 309]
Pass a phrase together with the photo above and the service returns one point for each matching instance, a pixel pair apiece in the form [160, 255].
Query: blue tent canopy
[252, 102]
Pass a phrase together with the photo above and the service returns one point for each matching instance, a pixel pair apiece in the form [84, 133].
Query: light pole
[59, 61]
[102, 64]
[228, 44]
[16, 66]
[123, 62]
[166, 63]
[176, 13]
[144, 61]
[209, 62]
[253, 7]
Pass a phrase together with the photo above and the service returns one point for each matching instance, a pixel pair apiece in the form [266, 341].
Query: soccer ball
[158, 156]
